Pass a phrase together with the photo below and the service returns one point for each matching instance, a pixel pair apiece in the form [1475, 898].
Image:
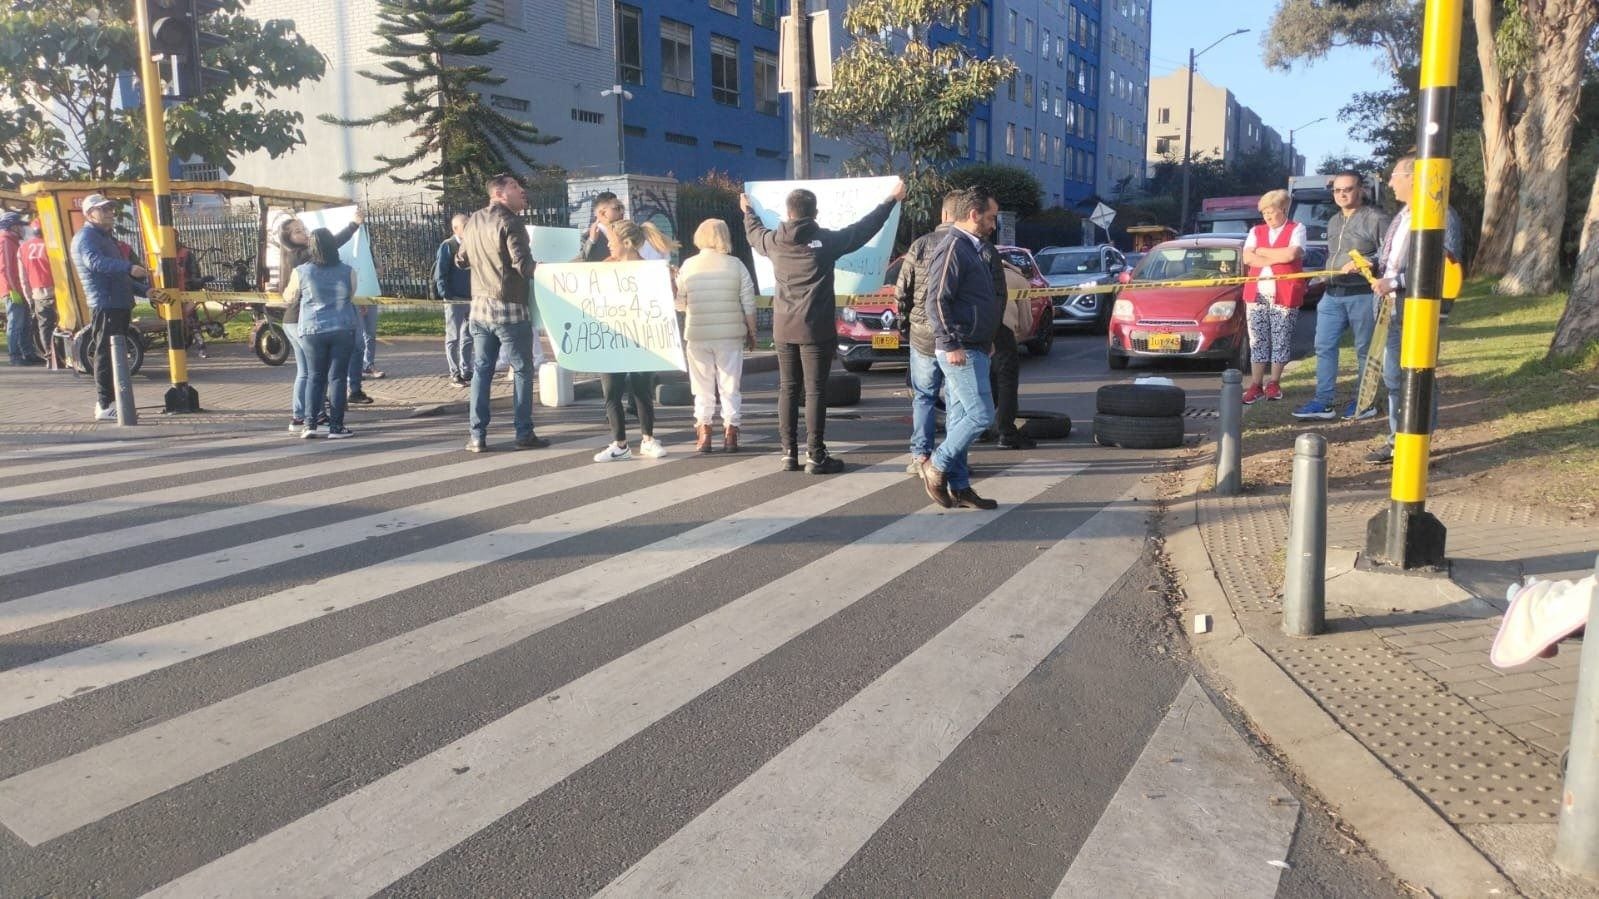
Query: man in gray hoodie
[804, 310]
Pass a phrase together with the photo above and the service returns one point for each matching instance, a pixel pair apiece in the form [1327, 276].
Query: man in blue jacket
[453, 285]
[964, 314]
[108, 283]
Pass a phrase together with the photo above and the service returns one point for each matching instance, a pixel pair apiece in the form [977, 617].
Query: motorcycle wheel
[271, 344]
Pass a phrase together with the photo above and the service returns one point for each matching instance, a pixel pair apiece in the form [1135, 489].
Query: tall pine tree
[458, 138]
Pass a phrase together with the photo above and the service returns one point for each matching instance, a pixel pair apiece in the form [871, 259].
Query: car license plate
[1165, 343]
[889, 341]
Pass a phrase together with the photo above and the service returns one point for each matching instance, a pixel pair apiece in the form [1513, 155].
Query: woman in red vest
[1273, 249]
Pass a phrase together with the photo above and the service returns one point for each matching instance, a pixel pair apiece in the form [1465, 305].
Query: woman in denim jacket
[325, 291]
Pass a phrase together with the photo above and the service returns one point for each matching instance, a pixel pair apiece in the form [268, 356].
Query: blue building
[703, 75]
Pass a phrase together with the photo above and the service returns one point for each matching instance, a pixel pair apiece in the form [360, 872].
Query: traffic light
[176, 37]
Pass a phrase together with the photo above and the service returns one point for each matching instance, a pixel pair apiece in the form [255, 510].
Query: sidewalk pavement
[238, 392]
[1447, 767]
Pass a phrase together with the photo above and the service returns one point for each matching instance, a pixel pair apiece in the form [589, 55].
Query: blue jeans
[366, 337]
[302, 369]
[926, 382]
[457, 340]
[516, 340]
[1333, 315]
[968, 412]
[328, 354]
[1393, 380]
[19, 337]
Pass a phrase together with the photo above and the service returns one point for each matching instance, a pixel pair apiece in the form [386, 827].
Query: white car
[1081, 267]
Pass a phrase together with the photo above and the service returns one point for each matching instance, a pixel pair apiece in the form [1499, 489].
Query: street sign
[1103, 216]
[821, 52]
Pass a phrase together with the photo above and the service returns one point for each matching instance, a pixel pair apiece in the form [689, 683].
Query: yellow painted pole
[1407, 535]
[180, 396]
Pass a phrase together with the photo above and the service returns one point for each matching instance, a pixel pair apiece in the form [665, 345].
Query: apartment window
[766, 82]
[1071, 117]
[506, 12]
[1058, 104]
[1082, 120]
[1071, 70]
[1088, 167]
[630, 44]
[1093, 80]
[635, 131]
[1044, 45]
[515, 104]
[764, 12]
[1163, 115]
[964, 26]
[1027, 36]
[1059, 157]
[764, 153]
[1043, 98]
[588, 117]
[982, 24]
[582, 20]
[1071, 21]
[1027, 89]
[1010, 88]
[1010, 139]
[677, 57]
[1010, 25]
[980, 140]
[725, 147]
[724, 70]
[686, 140]
[1043, 147]
[1027, 143]
[1163, 145]
[728, 6]
[1092, 121]
[1060, 50]
[962, 143]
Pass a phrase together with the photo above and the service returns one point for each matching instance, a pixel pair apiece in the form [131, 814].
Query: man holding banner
[496, 249]
[804, 310]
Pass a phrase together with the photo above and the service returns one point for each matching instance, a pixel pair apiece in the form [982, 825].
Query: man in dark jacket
[108, 280]
[496, 249]
[453, 285]
[804, 313]
[910, 292]
[964, 313]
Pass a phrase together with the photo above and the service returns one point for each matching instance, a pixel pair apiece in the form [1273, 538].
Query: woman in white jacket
[715, 292]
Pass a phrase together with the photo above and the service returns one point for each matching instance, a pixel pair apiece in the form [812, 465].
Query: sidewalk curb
[1405, 833]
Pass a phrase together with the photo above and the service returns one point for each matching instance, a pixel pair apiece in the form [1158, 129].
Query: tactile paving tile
[1201, 412]
[1246, 536]
[1472, 770]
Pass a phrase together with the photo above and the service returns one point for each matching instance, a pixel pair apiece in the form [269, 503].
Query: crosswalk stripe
[233, 516]
[92, 596]
[171, 753]
[824, 796]
[435, 802]
[46, 682]
[39, 461]
[1200, 794]
[210, 487]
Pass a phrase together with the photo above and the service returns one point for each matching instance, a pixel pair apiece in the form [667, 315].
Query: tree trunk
[1561, 30]
[1499, 170]
[1579, 324]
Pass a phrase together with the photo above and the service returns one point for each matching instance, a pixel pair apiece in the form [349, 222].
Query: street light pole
[1291, 131]
[621, 94]
[800, 118]
[1188, 123]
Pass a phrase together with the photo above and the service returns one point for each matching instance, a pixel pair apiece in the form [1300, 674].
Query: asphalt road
[269, 666]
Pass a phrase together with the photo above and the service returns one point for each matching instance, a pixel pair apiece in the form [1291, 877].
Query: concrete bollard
[127, 412]
[1577, 840]
[1305, 585]
[1229, 444]
[555, 385]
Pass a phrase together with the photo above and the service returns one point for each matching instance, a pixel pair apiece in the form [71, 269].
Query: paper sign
[840, 202]
[554, 244]
[357, 253]
[610, 316]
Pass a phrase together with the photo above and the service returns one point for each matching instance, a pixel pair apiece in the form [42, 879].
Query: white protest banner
[357, 254]
[554, 244]
[610, 316]
[840, 202]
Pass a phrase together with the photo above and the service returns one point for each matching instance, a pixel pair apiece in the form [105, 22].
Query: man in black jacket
[910, 292]
[964, 314]
[804, 313]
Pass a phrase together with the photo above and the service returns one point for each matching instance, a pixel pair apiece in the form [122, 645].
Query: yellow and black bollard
[1407, 535]
[180, 396]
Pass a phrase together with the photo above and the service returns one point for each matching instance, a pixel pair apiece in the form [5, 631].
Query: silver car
[1081, 267]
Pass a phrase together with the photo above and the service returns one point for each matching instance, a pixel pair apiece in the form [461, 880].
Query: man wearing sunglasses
[1348, 302]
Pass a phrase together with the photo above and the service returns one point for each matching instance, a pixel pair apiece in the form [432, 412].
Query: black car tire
[1141, 400]
[1135, 432]
[1044, 340]
[673, 393]
[856, 367]
[842, 390]
[1240, 359]
[1044, 425]
[1115, 360]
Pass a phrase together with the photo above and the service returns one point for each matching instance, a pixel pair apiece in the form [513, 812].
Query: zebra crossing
[378, 665]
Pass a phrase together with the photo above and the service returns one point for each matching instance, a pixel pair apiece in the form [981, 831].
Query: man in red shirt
[38, 286]
[19, 336]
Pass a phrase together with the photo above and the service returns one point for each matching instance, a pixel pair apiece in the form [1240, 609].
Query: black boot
[820, 462]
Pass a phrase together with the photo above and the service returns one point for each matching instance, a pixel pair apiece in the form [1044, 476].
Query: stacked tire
[1139, 416]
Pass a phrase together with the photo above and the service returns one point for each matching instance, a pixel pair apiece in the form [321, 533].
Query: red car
[869, 332]
[1182, 322]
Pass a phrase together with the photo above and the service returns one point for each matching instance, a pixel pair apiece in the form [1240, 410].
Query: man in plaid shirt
[496, 250]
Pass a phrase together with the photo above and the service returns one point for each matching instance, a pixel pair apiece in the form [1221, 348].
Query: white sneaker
[613, 453]
[310, 433]
[651, 448]
[296, 427]
[109, 413]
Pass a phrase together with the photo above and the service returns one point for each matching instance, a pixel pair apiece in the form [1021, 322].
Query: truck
[1227, 215]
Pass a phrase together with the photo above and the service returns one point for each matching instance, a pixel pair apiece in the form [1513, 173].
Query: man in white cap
[107, 279]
